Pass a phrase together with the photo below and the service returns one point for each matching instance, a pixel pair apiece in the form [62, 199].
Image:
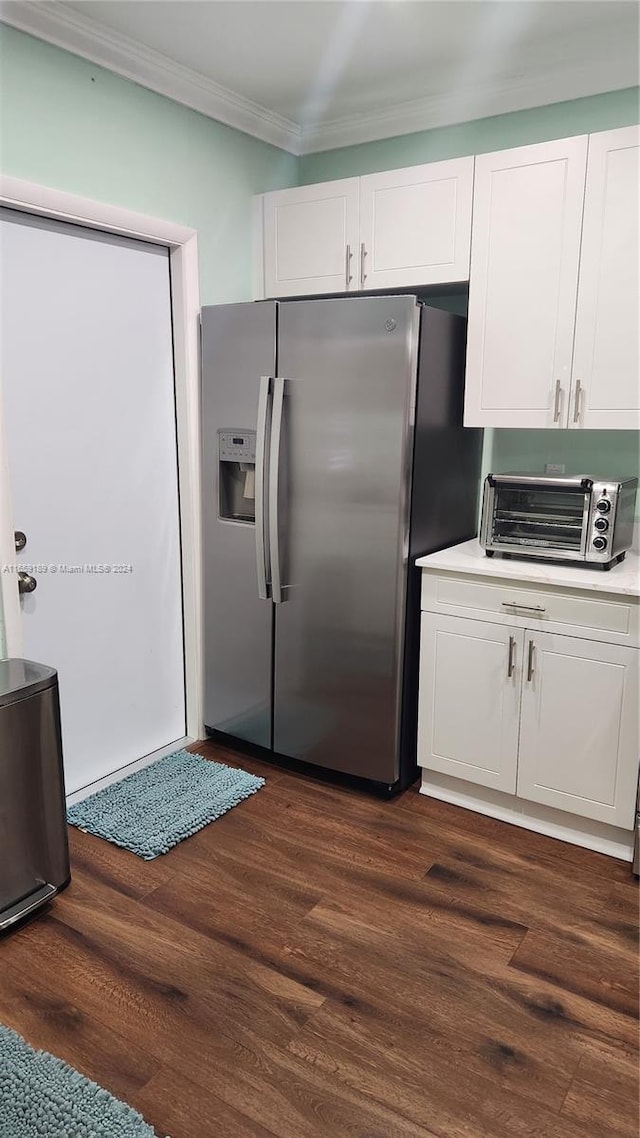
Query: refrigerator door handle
[277, 591]
[262, 546]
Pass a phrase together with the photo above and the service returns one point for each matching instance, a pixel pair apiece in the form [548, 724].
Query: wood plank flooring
[319, 964]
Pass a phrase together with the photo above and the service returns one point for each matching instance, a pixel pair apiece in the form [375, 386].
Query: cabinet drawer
[610, 619]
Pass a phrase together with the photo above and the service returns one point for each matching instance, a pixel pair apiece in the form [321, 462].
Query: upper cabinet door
[527, 217]
[415, 225]
[606, 372]
[311, 239]
[579, 727]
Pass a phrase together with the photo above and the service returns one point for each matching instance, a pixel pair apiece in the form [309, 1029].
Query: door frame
[182, 243]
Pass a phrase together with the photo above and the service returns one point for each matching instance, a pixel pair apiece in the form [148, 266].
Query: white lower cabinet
[470, 680]
[542, 717]
[579, 727]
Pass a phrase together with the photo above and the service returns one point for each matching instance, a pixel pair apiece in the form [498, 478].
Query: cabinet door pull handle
[556, 402]
[363, 275]
[530, 662]
[525, 608]
[576, 406]
[347, 269]
[511, 657]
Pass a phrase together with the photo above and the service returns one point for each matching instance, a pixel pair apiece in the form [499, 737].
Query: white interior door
[89, 418]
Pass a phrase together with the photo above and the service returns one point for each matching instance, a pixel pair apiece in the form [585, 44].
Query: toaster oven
[560, 518]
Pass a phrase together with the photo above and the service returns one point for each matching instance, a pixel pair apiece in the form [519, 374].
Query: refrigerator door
[339, 494]
[238, 347]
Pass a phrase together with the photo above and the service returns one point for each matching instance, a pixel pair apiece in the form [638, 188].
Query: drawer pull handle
[510, 659]
[530, 662]
[525, 608]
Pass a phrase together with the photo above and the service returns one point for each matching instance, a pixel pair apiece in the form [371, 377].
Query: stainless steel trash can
[34, 854]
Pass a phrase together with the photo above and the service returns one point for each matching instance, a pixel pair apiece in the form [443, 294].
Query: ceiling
[308, 75]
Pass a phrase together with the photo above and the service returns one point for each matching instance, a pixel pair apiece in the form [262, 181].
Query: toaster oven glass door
[541, 517]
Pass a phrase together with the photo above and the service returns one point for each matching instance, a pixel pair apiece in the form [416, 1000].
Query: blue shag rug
[42, 1097]
[155, 808]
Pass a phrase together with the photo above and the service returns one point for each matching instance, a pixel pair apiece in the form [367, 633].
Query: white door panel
[579, 727]
[469, 704]
[311, 239]
[416, 224]
[527, 218]
[606, 354]
[90, 423]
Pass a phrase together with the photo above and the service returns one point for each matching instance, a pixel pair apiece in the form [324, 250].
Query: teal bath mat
[155, 808]
[42, 1097]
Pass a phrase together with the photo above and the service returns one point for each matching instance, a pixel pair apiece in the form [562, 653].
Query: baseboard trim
[610, 840]
[130, 768]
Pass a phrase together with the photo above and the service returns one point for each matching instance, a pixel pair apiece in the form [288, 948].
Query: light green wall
[581, 116]
[69, 124]
[591, 452]
[583, 452]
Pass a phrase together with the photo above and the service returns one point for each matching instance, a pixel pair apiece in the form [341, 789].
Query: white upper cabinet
[415, 225]
[393, 230]
[311, 239]
[527, 218]
[579, 727]
[550, 250]
[606, 372]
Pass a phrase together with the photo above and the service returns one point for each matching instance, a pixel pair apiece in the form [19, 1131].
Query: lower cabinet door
[579, 727]
[470, 680]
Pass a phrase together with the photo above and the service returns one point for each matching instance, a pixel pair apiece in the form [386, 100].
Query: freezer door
[339, 527]
[238, 347]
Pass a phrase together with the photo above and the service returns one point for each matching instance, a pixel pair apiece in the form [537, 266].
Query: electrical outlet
[554, 468]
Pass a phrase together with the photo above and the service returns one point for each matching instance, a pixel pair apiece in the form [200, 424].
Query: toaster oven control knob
[604, 505]
[599, 543]
[601, 524]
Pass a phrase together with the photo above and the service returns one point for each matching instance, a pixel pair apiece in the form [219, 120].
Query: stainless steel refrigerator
[333, 455]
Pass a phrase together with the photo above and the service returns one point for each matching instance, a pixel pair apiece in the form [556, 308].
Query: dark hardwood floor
[319, 964]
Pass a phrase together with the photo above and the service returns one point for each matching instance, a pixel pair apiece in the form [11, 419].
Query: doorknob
[26, 583]
[20, 540]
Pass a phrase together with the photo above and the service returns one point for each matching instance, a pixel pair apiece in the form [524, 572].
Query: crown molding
[59, 25]
[573, 78]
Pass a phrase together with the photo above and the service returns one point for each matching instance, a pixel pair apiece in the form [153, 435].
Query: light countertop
[469, 557]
